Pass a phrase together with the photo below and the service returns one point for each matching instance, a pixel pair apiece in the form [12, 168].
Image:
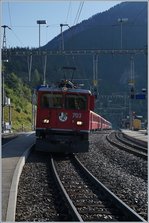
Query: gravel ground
[117, 168]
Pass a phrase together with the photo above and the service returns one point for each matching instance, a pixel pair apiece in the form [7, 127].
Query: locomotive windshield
[51, 101]
[72, 101]
[75, 102]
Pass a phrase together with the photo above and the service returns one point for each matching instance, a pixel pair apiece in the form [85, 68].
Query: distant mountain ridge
[103, 31]
[104, 26]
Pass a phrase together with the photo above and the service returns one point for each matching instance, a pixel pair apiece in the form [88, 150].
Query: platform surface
[11, 154]
[140, 135]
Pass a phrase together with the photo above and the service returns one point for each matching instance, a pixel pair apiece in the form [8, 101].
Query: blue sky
[21, 17]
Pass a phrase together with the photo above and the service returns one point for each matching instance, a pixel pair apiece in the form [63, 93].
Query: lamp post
[40, 22]
[62, 38]
[121, 21]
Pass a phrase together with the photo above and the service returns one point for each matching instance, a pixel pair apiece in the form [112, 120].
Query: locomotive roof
[70, 90]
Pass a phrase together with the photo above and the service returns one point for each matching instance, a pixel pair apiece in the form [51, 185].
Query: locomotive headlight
[64, 89]
[46, 121]
[79, 123]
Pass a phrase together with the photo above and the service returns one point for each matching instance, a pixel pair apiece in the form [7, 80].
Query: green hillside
[21, 108]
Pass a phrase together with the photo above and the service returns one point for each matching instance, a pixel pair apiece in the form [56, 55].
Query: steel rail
[130, 150]
[130, 143]
[73, 211]
[133, 216]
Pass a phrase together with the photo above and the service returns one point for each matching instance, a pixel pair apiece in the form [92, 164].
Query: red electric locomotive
[65, 118]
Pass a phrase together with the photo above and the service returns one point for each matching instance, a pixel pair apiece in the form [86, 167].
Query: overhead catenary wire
[68, 12]
[138, 14]
[78, 12]
[18, 38]
[10, 18]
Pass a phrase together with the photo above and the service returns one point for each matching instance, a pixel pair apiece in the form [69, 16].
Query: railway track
[88, 198]
[120, 136]
[116, 139]
[123, 173]
[79, 196]
[39, 199]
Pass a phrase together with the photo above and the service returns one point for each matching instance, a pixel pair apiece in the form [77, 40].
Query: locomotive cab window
[76, 102]
[51, 101]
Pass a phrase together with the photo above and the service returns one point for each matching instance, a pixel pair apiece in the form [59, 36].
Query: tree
[36, 78]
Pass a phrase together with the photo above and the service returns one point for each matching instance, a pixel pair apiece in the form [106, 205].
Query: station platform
[141, 136]
[14, 154]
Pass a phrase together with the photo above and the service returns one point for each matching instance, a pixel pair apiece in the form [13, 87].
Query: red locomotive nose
[65, 116]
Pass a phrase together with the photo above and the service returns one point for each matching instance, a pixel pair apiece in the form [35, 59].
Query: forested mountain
[101, 31]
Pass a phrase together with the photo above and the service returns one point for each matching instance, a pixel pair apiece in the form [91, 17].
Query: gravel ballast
[123, 173]
[118, 169]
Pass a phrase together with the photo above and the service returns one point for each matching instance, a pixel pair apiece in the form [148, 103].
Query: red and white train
[65, 118]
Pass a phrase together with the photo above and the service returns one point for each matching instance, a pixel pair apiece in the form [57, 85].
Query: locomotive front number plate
[76, 115]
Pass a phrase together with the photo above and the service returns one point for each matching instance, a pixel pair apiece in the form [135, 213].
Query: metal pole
[34, 110]
[131, 98]
[62, 40]
[121, 34]
[4, 47]
[62, 37]
[10, 116]
[39, 35]
[39, 22]
[44, 71]
[29, 62]
[95, 75]
[122, 20]
[3, 101]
